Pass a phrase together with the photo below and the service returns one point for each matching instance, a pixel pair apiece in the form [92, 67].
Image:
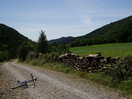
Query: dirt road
[51, 85]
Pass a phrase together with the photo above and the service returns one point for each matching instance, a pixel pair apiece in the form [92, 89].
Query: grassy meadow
[113, 49]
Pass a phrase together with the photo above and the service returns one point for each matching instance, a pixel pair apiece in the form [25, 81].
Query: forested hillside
[120, 31]
[62, 40]
[10, 39]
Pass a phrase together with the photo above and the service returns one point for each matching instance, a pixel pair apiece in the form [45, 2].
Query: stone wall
[89, 63]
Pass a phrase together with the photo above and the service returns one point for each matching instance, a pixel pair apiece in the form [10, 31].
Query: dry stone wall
[89, 63]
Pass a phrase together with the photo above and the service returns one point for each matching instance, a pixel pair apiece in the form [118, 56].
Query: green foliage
[42, 45]
[63, 48]
[4, 55]
[59, 49]
[120, 71]
[23, 50]
[62, 40]
[53, 66]
[113, 50]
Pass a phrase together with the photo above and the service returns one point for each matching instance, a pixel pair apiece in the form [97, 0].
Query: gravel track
[54, 85]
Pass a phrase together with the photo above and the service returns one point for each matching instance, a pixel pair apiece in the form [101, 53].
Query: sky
[61, 18]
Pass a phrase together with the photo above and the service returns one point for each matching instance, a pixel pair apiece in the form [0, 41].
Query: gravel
[49, 85]
[6, 81]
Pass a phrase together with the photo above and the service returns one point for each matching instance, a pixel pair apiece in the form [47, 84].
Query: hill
[62, 40]
[119, 31]
[10, 39]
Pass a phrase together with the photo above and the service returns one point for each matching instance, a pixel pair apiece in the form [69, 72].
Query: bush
[4, 55]
[57, 50]
[23, 50]
[120, 71]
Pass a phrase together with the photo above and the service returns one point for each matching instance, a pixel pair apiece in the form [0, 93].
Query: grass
[99, 78]
[126, 87]
[113, 49]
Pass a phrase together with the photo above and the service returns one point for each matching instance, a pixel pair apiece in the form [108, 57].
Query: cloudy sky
[61, 17]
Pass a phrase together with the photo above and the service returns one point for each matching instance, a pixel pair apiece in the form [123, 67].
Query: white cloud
[86, 20]
[77, 18]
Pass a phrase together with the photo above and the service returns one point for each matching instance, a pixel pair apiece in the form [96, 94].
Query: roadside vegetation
[118, 77]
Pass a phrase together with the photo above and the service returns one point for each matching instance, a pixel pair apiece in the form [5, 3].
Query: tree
[63, 48]
[23, 50]
[4, 52]
[42, 45]
[4, 55]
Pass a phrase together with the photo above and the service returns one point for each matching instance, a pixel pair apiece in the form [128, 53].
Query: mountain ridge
[62, 40]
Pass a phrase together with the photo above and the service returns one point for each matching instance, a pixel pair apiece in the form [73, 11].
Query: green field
[113, 50]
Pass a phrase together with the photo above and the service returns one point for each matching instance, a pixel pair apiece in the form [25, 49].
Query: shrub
[4, 55]
[23, 50]
[120, 71]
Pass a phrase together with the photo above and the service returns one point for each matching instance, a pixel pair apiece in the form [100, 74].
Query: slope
[119, 31]
[10, 39]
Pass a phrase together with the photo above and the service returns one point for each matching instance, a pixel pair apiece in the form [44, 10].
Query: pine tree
[42, 46]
